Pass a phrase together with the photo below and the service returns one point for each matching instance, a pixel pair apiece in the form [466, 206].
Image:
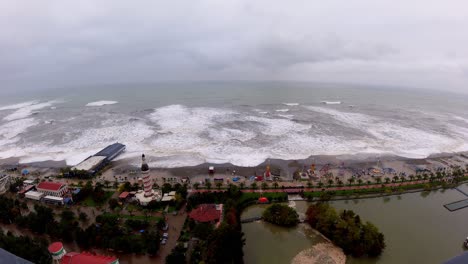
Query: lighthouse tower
[57, 251]
[147, 182]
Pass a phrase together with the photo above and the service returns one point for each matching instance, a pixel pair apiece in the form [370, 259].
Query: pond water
[417, 229]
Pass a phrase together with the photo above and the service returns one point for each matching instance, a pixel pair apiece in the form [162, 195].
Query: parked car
[166, 227]
[163, 242]
[165, 236]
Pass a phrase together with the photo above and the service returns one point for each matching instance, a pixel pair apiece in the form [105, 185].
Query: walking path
[292, 189]
[464, 193]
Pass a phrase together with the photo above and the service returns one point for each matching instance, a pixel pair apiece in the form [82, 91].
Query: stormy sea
[242, 123]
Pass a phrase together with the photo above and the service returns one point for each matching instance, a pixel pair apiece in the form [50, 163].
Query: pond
[417, 229]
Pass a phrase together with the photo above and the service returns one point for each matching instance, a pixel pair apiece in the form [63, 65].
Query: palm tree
[309, 184]
[419, 177]
[340, 183]
[130, 210]
[395, 178]
[145, 213]
[242, 185]
[208, 185]
[330, 182]
[106, 183]
[275, 185]
[218, 185]
[369, 182]
[387, 180]
[320, 184]
[196, 185]
[359, 182]
[264, 185]
[351, 181]
[411, 177]
[253, 185]
[378, 180]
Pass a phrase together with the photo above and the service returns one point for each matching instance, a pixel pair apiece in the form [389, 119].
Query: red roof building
[263, 200]
[52, 188]
[124, 195]
[206, 213]
[87, 258]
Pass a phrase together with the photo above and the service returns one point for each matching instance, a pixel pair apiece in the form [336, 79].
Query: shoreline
[285, 169]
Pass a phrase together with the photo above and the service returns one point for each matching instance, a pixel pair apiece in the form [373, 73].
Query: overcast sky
[416, 43]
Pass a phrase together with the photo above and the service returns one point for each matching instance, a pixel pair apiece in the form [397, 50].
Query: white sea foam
[277, 127]
[391, 137]
[180, 119]
[286, 116]
[17, 106]
[12, 129]
[88, 143]
[178, 135]
[331, 102]
[461, 119]
[101, 103]
[291, 104]
[228, 134]
[27, 109]
[282, 110]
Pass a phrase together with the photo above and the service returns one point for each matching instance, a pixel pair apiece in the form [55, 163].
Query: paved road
[176, 223]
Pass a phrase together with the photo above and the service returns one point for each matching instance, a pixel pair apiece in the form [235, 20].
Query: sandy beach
[340, 169]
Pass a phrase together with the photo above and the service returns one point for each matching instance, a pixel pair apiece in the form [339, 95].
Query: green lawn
[90, 202]
[138, 217]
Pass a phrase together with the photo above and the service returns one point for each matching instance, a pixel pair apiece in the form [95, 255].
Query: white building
[33, 195]
[53, 200]
[52, 188]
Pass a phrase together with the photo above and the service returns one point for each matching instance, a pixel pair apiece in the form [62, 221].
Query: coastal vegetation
[90, 195]
[222, 244]
[346, 230]
[280, 214]
[109, 231]
[34, 250]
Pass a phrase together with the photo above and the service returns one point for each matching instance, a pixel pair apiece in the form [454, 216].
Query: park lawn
[90, 202]
[139, 217]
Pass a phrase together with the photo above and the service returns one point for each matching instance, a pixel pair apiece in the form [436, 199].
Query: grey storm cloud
[419, 43]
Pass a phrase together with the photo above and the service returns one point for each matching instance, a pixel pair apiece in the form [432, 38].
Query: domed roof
[263, 200]
[55, 247]
[144, 165]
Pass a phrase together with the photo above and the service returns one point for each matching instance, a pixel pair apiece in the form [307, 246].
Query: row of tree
[346, 230]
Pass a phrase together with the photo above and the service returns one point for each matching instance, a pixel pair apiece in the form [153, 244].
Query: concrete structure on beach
[95, 163]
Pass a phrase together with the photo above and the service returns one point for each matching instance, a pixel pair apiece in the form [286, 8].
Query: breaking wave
[101, 103]
[178, 135]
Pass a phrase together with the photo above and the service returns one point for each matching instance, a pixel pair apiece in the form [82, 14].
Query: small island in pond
[280, 214]
[346, 230]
